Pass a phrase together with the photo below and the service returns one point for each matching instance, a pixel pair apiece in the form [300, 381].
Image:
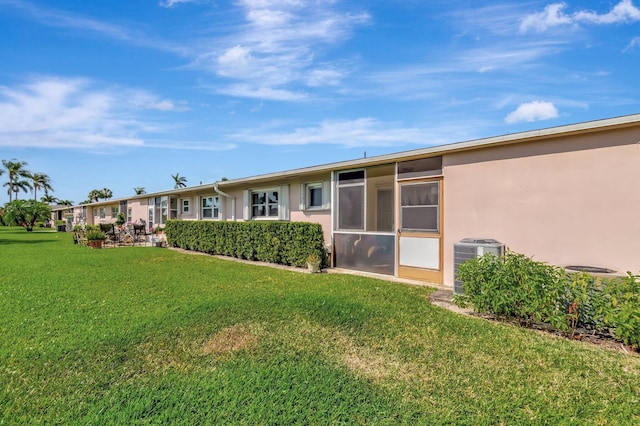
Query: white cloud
[550, 17]
[635, 42]
[60, 18]
[75, 113]
[171, 3]
[258, 92]
[360, 132]
[276, 51]
[624, 11]
[532, 111]
[553, 15]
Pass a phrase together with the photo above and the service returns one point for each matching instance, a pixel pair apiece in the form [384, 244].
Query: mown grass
[146, 335]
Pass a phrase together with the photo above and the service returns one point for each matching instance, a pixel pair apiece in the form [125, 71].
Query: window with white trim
[351, 200]
[173, 207]
[102, 212]
[114, 211]
[264, 204]
[315, 196]
[210, 207]
[185, 206]
[420, 206]
[365, 199]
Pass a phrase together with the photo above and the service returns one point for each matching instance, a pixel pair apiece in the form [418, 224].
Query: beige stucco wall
[574, 200]
[323, 217]
[139, 209]
[108, 218]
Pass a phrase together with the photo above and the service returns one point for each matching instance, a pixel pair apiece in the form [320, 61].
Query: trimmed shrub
[288, 243]
[515, 286]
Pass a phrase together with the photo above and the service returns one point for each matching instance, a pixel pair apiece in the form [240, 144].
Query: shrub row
[515, 286]
[288, 243]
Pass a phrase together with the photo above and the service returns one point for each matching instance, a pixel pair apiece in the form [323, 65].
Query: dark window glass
[366, 252]
[420, 206]
[351, 207]
[422, 167]
[346, 178]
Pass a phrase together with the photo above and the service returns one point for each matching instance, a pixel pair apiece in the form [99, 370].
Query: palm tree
[41, 181]
[99, 194]
[16, 170]
[18, 185]
[49, 199]
[65, 202]
[180, 181]
[139, 190]
[106, 193]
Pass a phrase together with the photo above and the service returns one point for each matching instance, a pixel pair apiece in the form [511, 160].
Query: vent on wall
[470, 248]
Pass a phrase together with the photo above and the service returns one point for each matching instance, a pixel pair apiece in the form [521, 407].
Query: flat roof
[521, 137]
[507, 139]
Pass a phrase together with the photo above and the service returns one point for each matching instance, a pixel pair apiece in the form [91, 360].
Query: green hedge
[288, 243]
[515, 286]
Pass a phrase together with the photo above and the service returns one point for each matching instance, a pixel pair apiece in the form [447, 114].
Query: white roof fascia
[585, 127]
[528, 136]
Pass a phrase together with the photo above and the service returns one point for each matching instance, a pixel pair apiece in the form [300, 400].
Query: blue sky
[123, 94]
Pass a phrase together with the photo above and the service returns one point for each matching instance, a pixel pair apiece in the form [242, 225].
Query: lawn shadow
[4, 241]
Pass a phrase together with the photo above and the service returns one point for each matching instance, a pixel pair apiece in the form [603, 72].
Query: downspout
[233, 200]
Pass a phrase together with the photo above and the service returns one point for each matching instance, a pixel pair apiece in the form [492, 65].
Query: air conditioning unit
[470, 248]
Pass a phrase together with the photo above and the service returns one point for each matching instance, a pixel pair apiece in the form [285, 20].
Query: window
[420, 168]
[173, 208]
[129, 215]
[268, 203]
[315, 196]
[211, 207]
[264, 204]
[351, 200]
[114, 212]
[158, 210]
[365, 199]
[420, 206]
[185, 206]
[164, 204]
[102, 212]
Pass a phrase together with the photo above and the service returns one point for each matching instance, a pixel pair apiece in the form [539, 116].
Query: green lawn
[147, 335]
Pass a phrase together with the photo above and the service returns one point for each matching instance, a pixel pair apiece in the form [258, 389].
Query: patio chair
[110, 231]
[79, 238]
[140, 234]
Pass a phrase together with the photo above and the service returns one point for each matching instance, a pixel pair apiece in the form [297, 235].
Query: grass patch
[144, 335]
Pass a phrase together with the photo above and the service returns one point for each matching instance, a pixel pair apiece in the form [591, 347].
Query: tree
[65, 202]
[98, 194]
[40, 181]
[25, 213]
[49, 199]
[139, 190]
[17, 173]
[106, 194]
[180, 181]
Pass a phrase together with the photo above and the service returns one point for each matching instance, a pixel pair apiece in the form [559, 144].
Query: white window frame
[215, 207]
[283, 203]
[266, 204]
[185, 206]
[362, 184]
[305, 195]
[173, 208]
